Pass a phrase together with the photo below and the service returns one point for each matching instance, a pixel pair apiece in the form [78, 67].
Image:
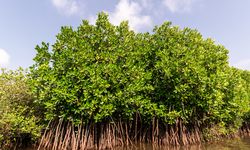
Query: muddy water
[235, 144]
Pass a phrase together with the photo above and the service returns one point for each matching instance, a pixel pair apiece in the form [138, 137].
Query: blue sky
[26, 23]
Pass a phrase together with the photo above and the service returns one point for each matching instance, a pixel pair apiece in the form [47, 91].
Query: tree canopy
[103, 72]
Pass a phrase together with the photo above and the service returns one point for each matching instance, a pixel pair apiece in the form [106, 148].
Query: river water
[235, 144]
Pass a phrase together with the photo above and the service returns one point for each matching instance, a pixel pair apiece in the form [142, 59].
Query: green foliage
[17, 120]
[104, 72]
[245, 76]
[188, 72]
[93, 72]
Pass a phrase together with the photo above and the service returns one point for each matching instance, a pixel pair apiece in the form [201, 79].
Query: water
[235, 144]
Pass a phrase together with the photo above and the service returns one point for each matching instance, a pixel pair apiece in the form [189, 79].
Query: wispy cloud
[4, 58]
[147, 4]
[243, 64]
[179, 5]
[68, 7]
[131, 11]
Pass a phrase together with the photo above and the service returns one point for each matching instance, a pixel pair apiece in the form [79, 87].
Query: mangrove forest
[100, 86]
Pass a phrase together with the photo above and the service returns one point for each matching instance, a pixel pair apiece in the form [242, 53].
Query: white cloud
[131, 11]
[178, 5]
[4, 58]
[67, 7]
[147, 3]
[243, 64]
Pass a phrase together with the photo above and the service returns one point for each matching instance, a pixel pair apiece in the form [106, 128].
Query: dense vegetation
[18, 122]
[103, 85]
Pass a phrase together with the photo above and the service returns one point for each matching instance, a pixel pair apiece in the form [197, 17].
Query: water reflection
[235, 144]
